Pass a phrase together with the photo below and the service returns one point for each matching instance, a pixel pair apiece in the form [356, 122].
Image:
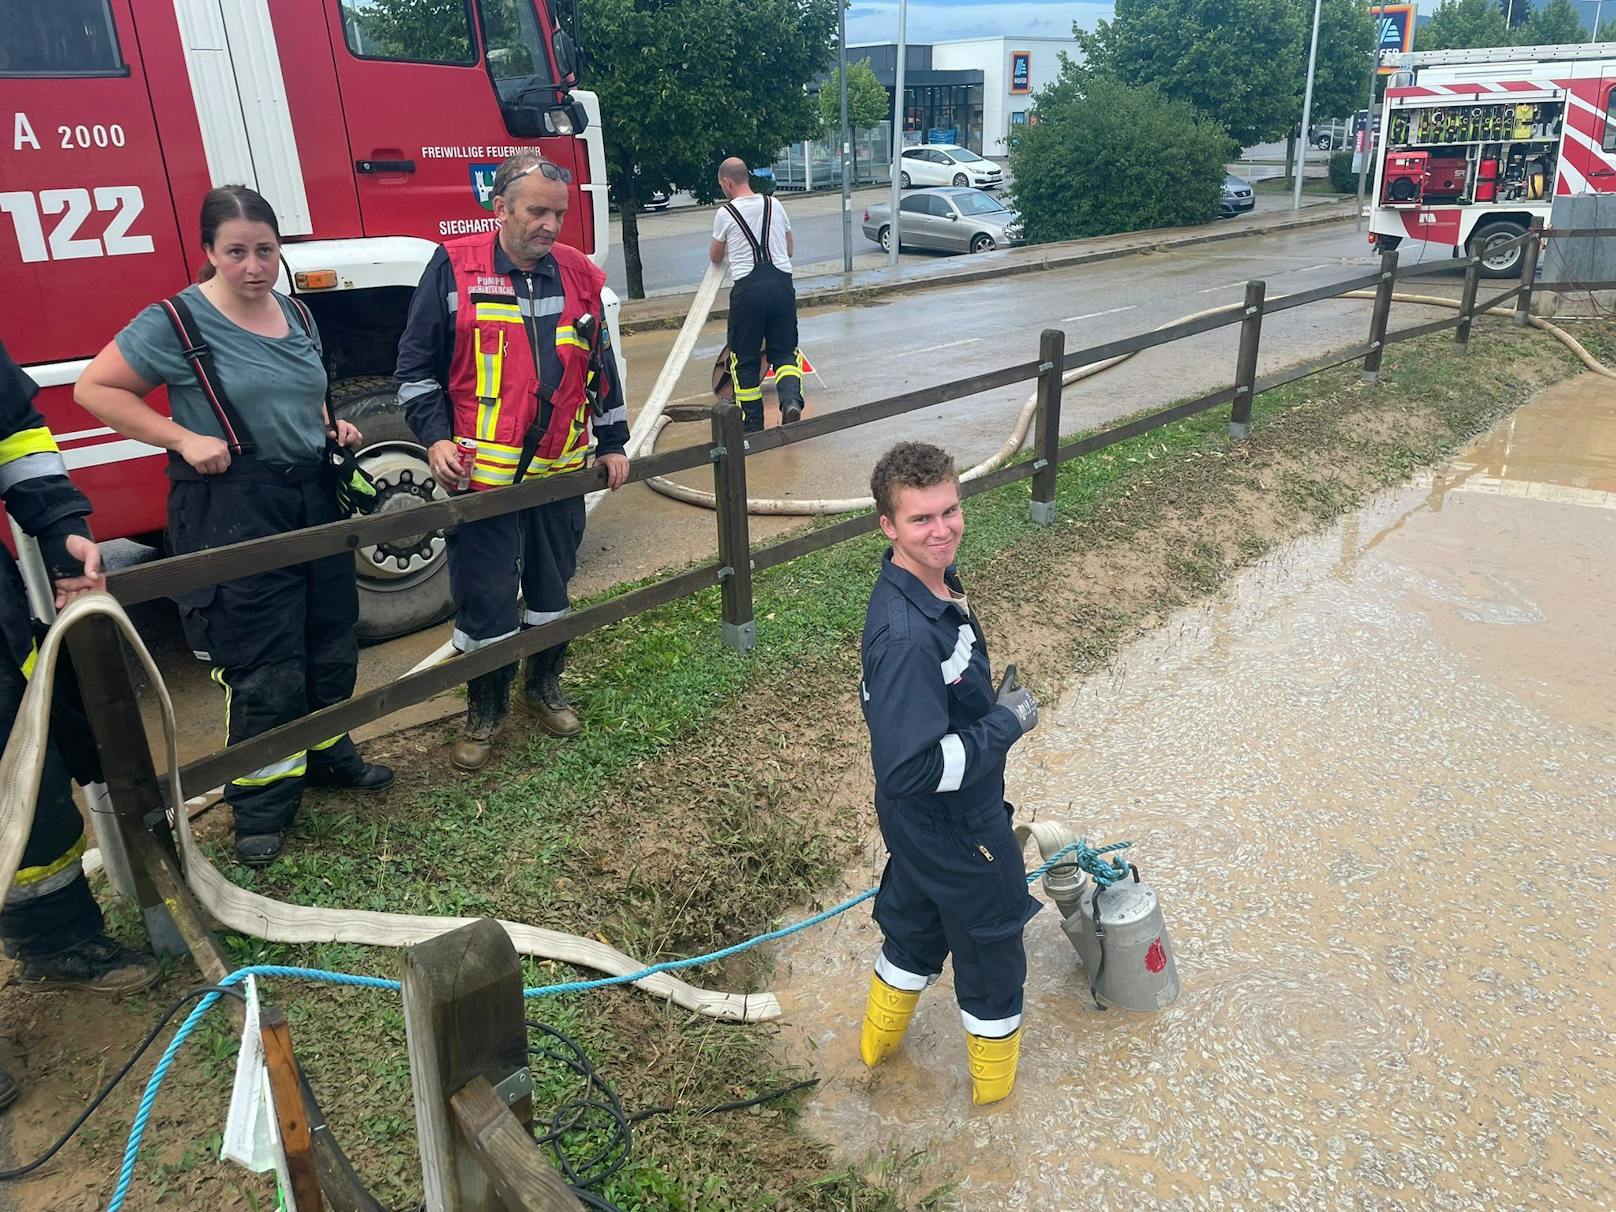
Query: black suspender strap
[760, 252]
[236, 435]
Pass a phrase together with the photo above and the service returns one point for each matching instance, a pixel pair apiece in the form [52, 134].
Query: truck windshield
[516, 56]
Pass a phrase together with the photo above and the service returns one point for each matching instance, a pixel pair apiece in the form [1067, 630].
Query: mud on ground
[764, 806]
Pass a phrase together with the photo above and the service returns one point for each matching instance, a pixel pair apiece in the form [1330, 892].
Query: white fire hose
[276, 921]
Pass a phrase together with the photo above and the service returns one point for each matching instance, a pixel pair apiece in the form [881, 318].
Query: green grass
[568, 835]
[1313, 187]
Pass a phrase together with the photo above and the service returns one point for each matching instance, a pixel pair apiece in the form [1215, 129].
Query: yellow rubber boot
[887, 1012]
[993, 1066]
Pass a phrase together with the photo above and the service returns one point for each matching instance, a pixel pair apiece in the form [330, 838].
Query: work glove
[1019, 700]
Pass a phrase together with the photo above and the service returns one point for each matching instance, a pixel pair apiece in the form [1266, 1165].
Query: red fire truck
[1480, 142]
[374, 128]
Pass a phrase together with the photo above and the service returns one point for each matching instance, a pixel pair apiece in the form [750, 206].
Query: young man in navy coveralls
[939, 734]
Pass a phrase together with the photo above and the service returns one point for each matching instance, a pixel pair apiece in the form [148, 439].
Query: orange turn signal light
[316, 279]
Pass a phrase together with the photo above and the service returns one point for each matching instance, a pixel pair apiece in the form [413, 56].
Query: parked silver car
[952, 220]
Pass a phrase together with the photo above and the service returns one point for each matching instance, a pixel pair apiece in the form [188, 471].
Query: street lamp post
[847, 184]
[897, 129]
[1307, 107]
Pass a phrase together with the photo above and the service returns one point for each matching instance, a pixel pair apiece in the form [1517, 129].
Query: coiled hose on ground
[790, 507]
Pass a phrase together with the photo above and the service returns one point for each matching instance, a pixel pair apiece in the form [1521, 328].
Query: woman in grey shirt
[243, 467]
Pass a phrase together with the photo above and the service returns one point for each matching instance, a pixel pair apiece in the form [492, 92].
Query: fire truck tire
[403, 586]
[1508, 263]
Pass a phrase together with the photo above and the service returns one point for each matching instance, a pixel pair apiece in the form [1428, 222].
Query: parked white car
[945, 164]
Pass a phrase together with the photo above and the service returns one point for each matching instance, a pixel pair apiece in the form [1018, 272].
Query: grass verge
[713, 794]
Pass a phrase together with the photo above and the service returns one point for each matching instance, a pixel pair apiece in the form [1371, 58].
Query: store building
[971, 92]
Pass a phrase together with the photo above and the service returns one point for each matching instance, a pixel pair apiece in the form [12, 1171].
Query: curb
[1075, 252]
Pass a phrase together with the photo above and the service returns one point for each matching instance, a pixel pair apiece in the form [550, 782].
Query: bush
[1116, 158]
[1343, 177]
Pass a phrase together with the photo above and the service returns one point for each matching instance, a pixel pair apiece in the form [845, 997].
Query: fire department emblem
[482, 184]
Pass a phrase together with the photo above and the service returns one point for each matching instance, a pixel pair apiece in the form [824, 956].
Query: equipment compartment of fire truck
[1479, 143]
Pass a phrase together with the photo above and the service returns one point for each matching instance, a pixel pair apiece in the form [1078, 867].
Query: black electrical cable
[168, 1015]
[599, 1103]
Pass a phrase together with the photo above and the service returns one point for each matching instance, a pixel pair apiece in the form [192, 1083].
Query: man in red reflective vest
[507, 345]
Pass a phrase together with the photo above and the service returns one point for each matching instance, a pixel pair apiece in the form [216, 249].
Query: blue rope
[1088, 859]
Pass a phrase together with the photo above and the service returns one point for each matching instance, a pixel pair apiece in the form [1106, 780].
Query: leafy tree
[1234, 60]
[1346, 41]
[1607, 31]
[1115, 157]
[867, 103]
[1554, 23]
[684, 83]
[1464, 25]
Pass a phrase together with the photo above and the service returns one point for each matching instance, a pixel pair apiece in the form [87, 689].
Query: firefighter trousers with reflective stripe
[763, 316]
[956, 887]
[49, 907]
[533, 551]
[281, 642]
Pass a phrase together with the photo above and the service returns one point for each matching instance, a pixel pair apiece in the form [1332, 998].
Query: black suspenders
[760, 251]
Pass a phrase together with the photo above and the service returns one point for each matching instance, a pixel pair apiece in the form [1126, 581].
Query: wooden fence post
[734, 537]
[1377, 321]
[1523, 303]
[1245, 369]
[463, 1021]
[1467, 304]
[1046, 434]
[138, 812]
[296, 1141]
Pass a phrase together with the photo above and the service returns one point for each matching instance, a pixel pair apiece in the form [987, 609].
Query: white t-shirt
[740, 250]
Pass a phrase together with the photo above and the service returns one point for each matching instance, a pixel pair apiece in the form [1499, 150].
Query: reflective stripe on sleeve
[24, 442]
[31, 467]
[953, 763]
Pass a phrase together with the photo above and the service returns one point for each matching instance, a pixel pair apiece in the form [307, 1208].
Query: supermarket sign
[1394, 28]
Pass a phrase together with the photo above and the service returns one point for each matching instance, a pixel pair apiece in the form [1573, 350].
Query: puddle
[1373, 785]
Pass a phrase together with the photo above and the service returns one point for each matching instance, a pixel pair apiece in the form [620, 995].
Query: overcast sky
[941, 20]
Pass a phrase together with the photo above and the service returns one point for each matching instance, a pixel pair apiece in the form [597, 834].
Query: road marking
[1307, 269]
[1226, 286]
[1089, 315]
[944, 345]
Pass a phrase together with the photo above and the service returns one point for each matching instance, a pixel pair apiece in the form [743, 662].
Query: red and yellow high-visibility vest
[493, 381]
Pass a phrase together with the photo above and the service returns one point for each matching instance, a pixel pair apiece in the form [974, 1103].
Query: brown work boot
[541, 696]
[487, 701]
[97, 965]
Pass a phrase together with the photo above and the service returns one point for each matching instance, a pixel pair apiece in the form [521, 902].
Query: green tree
[1234, 60]
[867, 103]
[1607, 31]
[684, 83]
[1115, 157]
[1346, 42]
[1554, 23]
[1464, 25]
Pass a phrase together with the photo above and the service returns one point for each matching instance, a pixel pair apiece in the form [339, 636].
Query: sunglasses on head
[550, 172]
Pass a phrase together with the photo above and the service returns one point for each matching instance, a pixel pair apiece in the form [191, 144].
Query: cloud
[942, 20]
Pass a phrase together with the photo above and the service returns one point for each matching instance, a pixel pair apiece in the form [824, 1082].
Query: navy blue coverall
[954, 882]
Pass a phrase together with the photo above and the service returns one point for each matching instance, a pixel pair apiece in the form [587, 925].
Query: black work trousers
[533, 551]
[49, 907]
[282, 642]
[763, 316]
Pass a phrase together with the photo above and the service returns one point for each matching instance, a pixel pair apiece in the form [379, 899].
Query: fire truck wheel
[1507, 262]
[403, 583]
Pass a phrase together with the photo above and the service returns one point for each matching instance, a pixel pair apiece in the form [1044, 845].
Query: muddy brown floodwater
[1373, 784]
